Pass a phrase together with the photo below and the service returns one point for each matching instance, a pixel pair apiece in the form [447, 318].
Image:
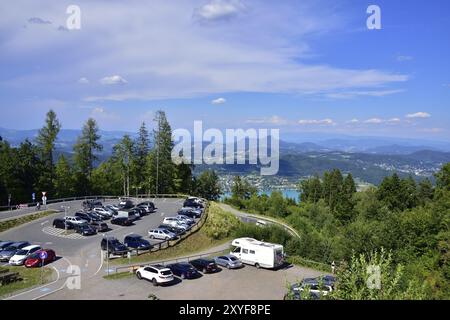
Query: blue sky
[300, 66]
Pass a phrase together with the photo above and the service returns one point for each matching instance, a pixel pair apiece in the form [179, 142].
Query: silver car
[229, 262]
[161, 234]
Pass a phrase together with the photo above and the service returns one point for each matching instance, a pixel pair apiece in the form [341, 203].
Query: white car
[75, 220]
[157, 274]
[185, 219]
[161, 234]
[174, 222]
[21, 255]
[103, 212]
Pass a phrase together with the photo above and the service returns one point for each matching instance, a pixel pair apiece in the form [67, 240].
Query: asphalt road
[84, 252]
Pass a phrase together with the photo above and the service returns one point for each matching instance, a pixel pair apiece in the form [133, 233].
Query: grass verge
[9, 224]
[31, 277]
[118, 276]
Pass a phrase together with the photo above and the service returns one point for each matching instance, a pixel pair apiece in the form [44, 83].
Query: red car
[36, 261]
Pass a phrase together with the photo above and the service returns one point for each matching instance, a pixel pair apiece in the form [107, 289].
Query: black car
[135, 241]
[122, 221]
[148, 206]
[205, 265]
[84, 229]
[114, 246]
[139, 212]
[193, 214]
[86, 216]
[99, 226]
[184, 270]
[4, 244]
[126, 204]
[192, 204]
[91, 204]
[177, 231]
[60, 223]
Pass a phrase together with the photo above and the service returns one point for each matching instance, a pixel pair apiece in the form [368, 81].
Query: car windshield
[21, 252]
[165, 231]
[232, 258]
[10, 249]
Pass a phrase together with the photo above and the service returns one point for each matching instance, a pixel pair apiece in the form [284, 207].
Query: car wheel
[138, 275]
[155, 283]
[204, 270]
[257, 266]
[228, 267]
[183, 276]
[152, 237]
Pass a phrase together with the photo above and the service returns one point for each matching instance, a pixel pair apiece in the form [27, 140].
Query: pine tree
[124, 157]
[85, 149]
[64, 183]
[142, 148]
[207, 185]
[46, 143]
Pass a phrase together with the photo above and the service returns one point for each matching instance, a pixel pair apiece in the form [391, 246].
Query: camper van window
[244, 251]
[237, 250]
[252, 252]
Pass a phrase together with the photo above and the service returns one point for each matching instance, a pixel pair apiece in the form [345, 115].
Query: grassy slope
[30, 277]
[9, 224]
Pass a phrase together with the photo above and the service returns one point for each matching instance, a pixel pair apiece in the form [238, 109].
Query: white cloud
[112, 80]
[219, 101]
[355, 94]
[262, 53]
[327, 122]
[417, 115]
[219, 9]
[83, 80]
[394, 120]
[353, 121]
[374, 121]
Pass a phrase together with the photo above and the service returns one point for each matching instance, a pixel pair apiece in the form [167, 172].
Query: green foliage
[220, 223]
[64, 183]
[207, 185]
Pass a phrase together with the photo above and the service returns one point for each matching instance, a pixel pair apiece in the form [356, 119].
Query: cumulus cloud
[112, 80]
[374, 121]
[327, 122]
[37, 20]
[353, 121]
[418, 115]
[218, 10]
[219, 101]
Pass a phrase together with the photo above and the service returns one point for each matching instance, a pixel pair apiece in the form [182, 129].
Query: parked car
[99, 226]
[130, 214]
[138, 212]
[75, 220]
[114, 246]
[193, 204]
[126, 204]
[174, 222]
[111, 207]
[35, 259]
[91, 204]
[185, 219]
[190, 212]
[177, 231]
[229, 262]
[60, 223]
[318, 287]
[148, 206]
[85, 229]
[105, 214]
[157, 274]
[134, 241]
[4, 244]
[11, 250]
[163, 234]
[205, 265]
[184, 270]
[21, 255]
[121, 221]
[87, 217]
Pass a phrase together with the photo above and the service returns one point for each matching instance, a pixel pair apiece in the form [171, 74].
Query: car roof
[133, 235]
[159, 267]
[30, 247]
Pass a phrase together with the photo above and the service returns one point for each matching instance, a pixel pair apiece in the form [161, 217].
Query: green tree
[85, 156]
[46, 143]
[124, 157]
[443, 177]
[207, 185]
[425, 191]
[64, 179]
[142, 149]
[311, 189]
[241, 190]
[160, 169]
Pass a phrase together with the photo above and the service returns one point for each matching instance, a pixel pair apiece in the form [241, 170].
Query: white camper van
[257, 253]
[125, 214]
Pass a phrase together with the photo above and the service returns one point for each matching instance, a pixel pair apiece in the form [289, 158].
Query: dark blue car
[184, 270]
[135, 241]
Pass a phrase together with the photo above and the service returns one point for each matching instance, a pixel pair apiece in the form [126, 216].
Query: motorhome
[258, 253]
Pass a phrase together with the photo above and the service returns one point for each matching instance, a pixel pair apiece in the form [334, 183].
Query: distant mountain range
[367, 158]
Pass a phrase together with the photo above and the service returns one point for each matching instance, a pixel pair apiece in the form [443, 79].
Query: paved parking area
[247, 283]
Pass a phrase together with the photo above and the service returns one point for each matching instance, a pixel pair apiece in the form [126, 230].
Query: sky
[300, 66]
